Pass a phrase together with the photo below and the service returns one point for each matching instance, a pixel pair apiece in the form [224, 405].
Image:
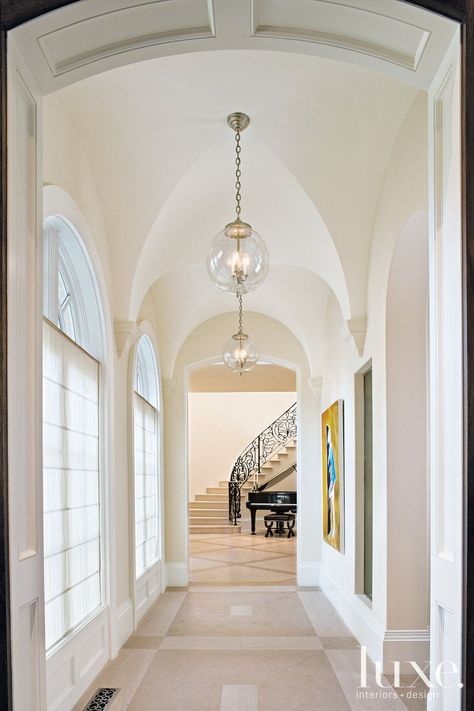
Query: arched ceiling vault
[294, 296]
[314, 159]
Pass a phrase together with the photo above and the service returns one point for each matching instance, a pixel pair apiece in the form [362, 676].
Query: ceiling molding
[92, 36]
[342, 26]
[125, 29]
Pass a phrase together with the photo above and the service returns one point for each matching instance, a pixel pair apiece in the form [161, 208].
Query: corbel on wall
[355, 328]
[316, 385]
[127, 334]
[168, 386]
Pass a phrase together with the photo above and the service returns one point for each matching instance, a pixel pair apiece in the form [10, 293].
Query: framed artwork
[332, 421]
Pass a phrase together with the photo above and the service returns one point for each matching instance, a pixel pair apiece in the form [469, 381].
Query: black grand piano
[275, 501]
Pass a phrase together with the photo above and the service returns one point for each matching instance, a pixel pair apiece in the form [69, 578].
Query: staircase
[209, 512]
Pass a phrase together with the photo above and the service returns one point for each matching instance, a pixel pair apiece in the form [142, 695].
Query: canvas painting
[333, 475]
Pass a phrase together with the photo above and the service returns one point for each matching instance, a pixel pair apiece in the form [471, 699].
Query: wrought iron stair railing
[259, 451]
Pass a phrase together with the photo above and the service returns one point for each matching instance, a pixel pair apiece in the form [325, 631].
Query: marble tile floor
[249, 560]
[258, 645]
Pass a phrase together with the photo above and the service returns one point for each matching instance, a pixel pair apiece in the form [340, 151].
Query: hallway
[220, 645]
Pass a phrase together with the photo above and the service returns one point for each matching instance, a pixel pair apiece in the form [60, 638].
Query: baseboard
[355, 614]
[307, 574]
[406, 646]
[177, 575]
[385, 646]
[121, 626]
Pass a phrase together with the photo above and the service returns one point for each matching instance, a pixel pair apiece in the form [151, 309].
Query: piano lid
[272, 497]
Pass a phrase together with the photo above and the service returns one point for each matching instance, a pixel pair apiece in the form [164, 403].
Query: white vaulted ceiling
[323, 125]
[313, 157]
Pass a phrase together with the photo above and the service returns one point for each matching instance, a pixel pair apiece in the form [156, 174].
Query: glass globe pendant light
[238, 259]
[240, 352]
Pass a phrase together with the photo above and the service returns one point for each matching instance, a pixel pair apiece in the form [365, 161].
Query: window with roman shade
[71, 434]
[146, 458]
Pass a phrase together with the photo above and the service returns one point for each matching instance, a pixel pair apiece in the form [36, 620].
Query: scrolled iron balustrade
[259, 451]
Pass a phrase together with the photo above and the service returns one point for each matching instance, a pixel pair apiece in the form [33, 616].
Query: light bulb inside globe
[240, 353]
[238, 264]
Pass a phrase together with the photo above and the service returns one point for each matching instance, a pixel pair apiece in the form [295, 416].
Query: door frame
[14, 13]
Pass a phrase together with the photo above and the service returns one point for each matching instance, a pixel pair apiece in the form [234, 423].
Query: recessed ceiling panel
[343, 26]
[128, 28]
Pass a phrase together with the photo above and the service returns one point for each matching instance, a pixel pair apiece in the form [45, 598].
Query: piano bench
[280, 519]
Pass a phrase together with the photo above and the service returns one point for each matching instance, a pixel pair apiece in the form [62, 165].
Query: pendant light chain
[240, 313]
[238, 174]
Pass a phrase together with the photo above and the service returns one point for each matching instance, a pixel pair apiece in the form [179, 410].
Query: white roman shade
[71, 484]
[146, 484]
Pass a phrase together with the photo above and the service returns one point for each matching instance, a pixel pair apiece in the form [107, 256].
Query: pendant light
[240, 353]
[238, 259]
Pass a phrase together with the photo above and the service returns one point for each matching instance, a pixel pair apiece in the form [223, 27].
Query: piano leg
[253, 514]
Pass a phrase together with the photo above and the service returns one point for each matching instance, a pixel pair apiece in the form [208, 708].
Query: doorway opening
[230, 417]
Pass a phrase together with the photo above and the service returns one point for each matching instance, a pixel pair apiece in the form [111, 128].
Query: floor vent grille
[102, 699]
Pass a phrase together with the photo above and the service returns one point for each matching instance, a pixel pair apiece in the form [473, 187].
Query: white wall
[403, 194]
[221, 425]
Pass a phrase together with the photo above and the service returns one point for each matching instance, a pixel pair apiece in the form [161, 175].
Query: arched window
[72, 354]
[146, 457]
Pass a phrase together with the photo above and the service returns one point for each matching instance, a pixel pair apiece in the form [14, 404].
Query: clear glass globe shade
[238, 259]
[240, 354]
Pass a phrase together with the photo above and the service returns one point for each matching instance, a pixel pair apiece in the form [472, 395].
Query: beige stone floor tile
[239, 697]
[276, 643]
[208, 537]
[346, 666]
[412, 691]
[209, 615]
[157, 620]
[241, 610]
[240, 574]
[238, 555]
[248, 540]
[339, 643]
[126, 672]
[297, 680]
[309, 685]
[196, 563]
[200, 547]
[197, 642]
[283, 547]
[242, 588]
[323, 616]
[136, 641]
[285, 564]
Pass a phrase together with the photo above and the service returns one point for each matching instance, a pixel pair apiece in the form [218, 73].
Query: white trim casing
[25, 387]
[147, 588]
